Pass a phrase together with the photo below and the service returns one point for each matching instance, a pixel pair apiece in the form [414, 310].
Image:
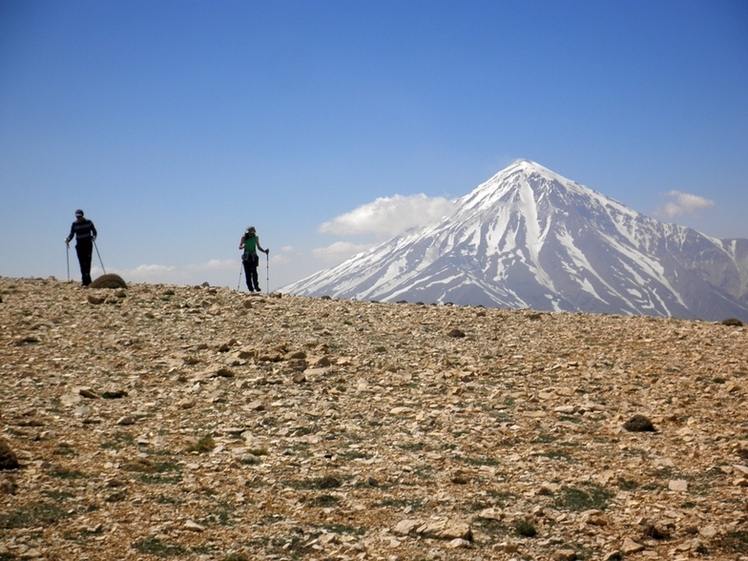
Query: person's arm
[241, 243]
[265, 251]
[72, 233]
[93, 231]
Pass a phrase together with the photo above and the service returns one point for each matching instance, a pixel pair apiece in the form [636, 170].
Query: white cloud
[683, 204]
[278, 271]
[385, 217]
[152, 270]
[339, 251]
[389, 216]
[215, 271]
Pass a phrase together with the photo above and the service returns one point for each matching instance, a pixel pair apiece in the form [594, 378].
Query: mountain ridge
[530, 238]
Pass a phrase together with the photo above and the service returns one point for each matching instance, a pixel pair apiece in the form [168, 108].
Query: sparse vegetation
[118, 441]
[154, 546]
[735, 542]
[32, 515]
[486, 461]
[324, 501]
[65, 473]
[491, 526]
[259, 451]
[556, 454]
[344, 529]
[57, 495]
[512, 432]
[587, 498]
[525, 529]
[202, 446]
[627, 484]
[236, 557]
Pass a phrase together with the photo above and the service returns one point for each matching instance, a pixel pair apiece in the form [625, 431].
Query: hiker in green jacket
[250, 243]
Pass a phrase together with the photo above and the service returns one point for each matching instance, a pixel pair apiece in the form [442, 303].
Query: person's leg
[255, 261]
[89, 258]
[247, 273]
[81, 260]
[83, 250]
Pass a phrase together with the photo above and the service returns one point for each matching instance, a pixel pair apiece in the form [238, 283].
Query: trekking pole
[267, 272]
[99, 254]
[241, 267]
[67, 258]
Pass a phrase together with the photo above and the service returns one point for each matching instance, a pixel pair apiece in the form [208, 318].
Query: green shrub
[156, 547]
[525, 529]
[205, 444]
[591, 497]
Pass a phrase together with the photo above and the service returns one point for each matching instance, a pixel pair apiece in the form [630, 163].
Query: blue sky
[176, 124]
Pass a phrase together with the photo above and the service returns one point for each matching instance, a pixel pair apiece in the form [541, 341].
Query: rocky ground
[205, 423]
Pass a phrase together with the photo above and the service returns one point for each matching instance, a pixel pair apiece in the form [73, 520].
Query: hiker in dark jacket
[85, 235]
[250, 243]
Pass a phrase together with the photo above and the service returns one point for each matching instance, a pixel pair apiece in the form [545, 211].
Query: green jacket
[250, 244]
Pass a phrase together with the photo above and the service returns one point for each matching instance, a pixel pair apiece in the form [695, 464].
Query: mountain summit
[529, 238]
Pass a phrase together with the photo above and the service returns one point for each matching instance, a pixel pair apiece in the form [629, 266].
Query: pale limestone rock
[564, 555]
[399, 411]
[594, 517]
[82, 411]
[88, 393]
[680, 485]
[459, 543]
[193, 526]
[506, 547]
[491, 514]
[70, 400]
[445, 530]
[630, 547]
[405, 527]
[708, 531]
[187, 403]
[567, 409]
[328, 538]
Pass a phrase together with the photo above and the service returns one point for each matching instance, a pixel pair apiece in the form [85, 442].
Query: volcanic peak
[525, 182]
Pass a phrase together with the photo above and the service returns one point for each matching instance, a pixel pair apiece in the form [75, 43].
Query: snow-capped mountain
[529, 238]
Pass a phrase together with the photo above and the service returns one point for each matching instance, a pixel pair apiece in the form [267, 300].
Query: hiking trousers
[250, 272]
[84, 249]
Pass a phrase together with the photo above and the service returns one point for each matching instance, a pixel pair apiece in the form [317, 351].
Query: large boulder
[108, 281]
[639, 423]
[8, 458]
